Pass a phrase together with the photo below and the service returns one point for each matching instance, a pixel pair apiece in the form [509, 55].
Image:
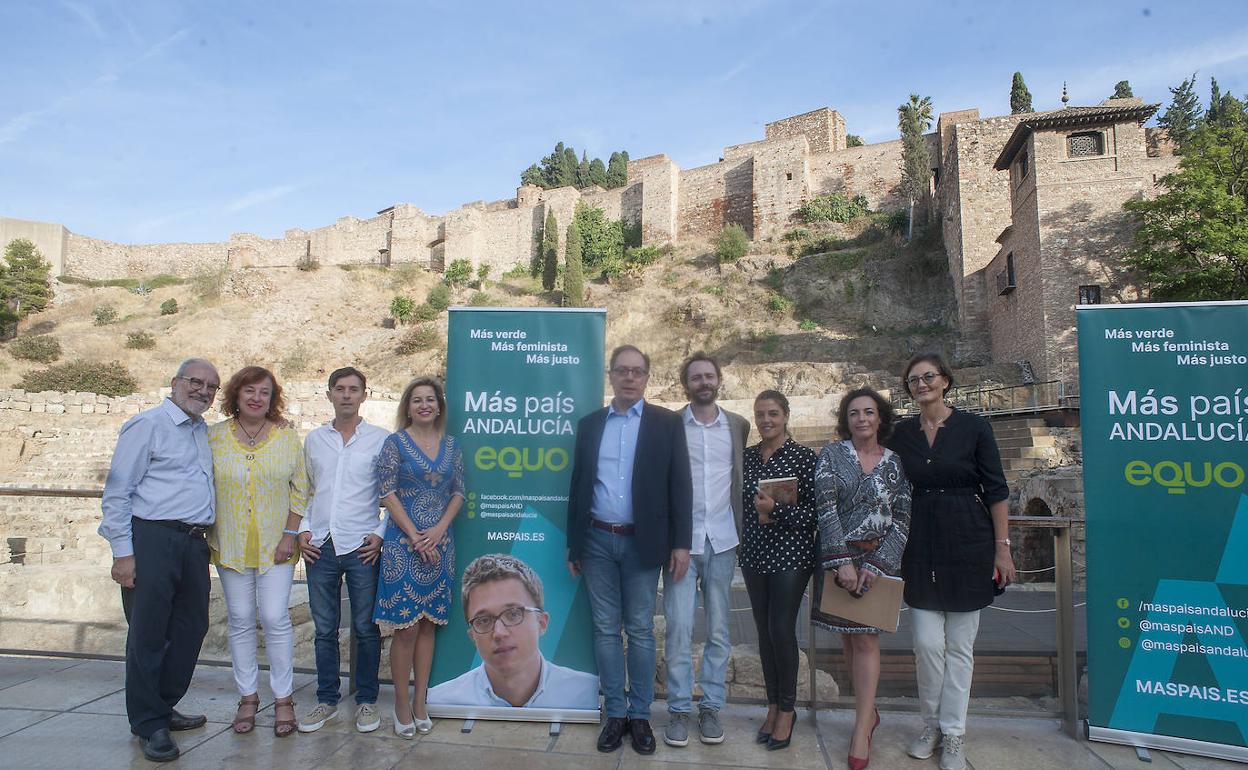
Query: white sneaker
[317, 718]
[952, 756]
[925, 745]
[366, 718]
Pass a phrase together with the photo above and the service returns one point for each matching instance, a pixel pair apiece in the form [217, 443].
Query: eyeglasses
[629, 371]
[512, 616]
[197, 384]
[926, 379]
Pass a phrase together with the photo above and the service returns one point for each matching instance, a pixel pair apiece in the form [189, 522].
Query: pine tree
[1183, 115]
[598, 173]
[27, 284]
[1020, 97]
[574, 269]
[550, 251]
[1122, 90]
[582, 172]
[914, 118]
[533, 175]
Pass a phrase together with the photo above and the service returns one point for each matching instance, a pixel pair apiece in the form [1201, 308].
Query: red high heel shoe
[856, 763]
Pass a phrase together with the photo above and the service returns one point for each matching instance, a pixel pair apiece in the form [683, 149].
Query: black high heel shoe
[775, 745]
[762, 737]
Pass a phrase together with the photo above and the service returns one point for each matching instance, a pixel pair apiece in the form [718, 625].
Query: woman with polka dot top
[777, 556]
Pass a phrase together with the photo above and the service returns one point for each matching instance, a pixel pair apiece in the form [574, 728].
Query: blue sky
[158, 120]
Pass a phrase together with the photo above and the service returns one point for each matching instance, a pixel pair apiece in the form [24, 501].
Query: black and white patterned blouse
[857, 508]
[788, 543]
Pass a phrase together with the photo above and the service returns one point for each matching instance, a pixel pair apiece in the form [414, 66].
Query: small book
[880, 607]
[782, 490]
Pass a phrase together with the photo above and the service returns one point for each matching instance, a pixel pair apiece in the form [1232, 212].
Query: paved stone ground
[70, 713]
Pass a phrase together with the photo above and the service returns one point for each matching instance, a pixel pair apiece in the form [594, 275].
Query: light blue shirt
[161, 470]
[613, 489]
[558, 687]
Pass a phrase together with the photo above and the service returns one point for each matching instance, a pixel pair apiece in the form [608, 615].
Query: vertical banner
[517, 382]
[1164, 412]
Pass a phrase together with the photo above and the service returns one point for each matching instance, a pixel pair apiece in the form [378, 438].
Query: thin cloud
[87, 17]
[759, 50]
[14, 127]
[257, 197]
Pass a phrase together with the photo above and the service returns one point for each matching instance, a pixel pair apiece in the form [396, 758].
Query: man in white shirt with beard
[341, 538]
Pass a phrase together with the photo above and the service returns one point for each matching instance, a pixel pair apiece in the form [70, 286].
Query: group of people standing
[654, 493]
[247, 496]
[679, 495]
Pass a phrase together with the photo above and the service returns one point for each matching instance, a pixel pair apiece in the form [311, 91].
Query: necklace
[251, 437]
[935, 425]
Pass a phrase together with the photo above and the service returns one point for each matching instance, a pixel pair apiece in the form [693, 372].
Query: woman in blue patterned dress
[864, 518]
[421, 476]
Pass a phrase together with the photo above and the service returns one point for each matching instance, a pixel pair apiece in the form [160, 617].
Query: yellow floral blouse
[256, 488]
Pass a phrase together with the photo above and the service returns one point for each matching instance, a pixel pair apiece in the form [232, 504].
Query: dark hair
[250, 375]
[404, 417]
[935, 360]
[778, 397]
[346, 371]
[625, 349]
[693, 359]
[885, 409]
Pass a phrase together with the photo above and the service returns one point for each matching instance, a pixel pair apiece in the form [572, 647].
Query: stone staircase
[1026, 443]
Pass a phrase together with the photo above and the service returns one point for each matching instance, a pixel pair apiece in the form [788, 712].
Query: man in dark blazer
[629, 516]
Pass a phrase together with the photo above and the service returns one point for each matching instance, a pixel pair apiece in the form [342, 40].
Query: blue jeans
[622, 595]
[712, 572]
[324, 599]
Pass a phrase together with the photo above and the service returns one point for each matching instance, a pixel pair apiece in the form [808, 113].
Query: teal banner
[1164, 413]
[518, 380]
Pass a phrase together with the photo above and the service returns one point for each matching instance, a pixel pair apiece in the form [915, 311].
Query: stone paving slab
[59, 713]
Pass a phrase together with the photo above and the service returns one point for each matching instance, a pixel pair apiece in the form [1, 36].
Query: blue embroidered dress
[409, 588]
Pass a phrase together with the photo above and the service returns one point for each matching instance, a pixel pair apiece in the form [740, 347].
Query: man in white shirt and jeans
[716, 439]
[341, 538]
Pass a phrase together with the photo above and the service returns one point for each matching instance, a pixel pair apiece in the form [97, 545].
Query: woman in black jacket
[958, 555]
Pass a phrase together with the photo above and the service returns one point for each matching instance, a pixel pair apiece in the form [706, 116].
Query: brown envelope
[880, 607]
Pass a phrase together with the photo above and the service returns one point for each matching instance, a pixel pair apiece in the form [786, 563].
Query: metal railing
[1001, 399]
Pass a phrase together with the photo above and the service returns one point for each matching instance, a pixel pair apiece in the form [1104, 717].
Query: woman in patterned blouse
[777, 556]
[864, 515]
[421, 476]
[261, 491]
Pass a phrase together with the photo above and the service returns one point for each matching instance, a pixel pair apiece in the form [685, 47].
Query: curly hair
[885, 409]
[500, 566]
[250, 375]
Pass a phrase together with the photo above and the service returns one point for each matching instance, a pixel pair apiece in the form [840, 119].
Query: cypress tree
[568, 168]
[1020, 97]
[550, 251]
[1122, 90]
[574, 270]
[1183, 115]
[598, 173]
[582, 172]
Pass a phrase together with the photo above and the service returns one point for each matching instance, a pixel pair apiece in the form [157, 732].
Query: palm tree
[914, 117]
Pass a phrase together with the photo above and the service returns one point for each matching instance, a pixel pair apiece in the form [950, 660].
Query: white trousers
[944, 658]
[270, 592]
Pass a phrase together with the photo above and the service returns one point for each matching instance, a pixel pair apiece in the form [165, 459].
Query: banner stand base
[1168, 743]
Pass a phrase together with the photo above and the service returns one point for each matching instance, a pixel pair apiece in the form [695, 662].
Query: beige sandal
[244, 723]
[284, 727]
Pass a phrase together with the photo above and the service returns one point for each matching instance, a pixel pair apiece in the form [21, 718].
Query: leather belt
[615, 529]
[194, 530]
[964, 491]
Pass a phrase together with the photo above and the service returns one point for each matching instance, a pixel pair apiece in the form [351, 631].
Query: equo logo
[1177, 477]
[516, 460]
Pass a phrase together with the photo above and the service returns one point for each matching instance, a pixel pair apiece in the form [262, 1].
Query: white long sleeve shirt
[343, 499]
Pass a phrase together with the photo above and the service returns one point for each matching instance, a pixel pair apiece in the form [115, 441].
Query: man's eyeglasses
[926, 379]
[512, 616]
[629, 371]
[197, 384]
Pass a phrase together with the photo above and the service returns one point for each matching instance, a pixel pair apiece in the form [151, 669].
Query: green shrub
[778, 304]
[808, 325]
[897, 222]
[836, 207]
[416, 339]
[208, 284]
[479, 299]
[169, 306]
[109, 379]
[424, 312]
[849, 291]
[402, 276]
[775, 278]
[401, 308]
[612, 266]
[41, 347]
[439, 297]
[731, 244]
[518, 270]
[483, 272]
[158, 281]
[642, 255]
[459, 273]
[104, 315]
[297, 360]
[796, 234]
[140, 340]
[715, 291]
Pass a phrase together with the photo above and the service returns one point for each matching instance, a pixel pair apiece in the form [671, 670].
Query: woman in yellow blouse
[261, 488]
